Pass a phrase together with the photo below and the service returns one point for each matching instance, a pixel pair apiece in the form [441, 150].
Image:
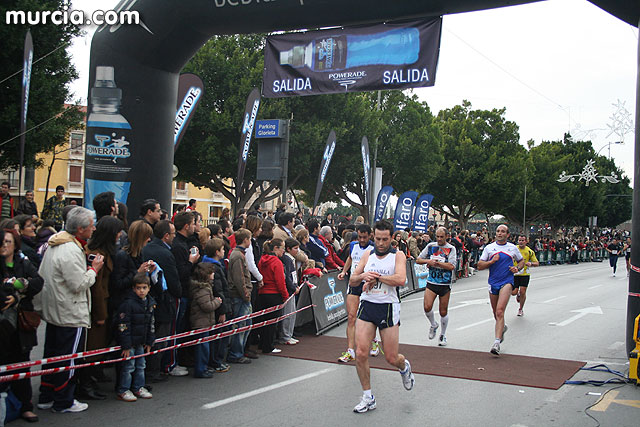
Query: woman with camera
[21, 274]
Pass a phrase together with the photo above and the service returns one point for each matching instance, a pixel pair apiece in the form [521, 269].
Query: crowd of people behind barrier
[96, 285]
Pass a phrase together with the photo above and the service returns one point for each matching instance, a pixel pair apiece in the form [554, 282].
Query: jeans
[201, 354]
[238, 341]
[135, 366]
[285, 327]
[219, 349]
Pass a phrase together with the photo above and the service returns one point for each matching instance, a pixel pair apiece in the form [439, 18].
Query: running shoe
[443, 341]
[45, 405]
[76, 407]
[127, 396]
[520, 314]
[143, 393]
[375, 348]
[346, 357]
[432, 332]
[495, 348]
[407, 377]
[365, 405]
[504, 331]
[223, 367]
[177, 372]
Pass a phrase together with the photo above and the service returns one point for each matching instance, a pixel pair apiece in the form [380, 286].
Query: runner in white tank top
[380, 272]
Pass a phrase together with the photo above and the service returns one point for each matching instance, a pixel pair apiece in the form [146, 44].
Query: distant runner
[614, 248]
[521, 278]
[627, 254]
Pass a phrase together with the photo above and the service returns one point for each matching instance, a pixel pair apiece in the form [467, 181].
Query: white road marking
[467, 303]
[484, 288]
[594, 287]
[581, 313]
[256, 392]
[474, 324]
[554, 299]
[563, 274]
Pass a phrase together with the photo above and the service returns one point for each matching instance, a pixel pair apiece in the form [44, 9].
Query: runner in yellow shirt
[521, 278]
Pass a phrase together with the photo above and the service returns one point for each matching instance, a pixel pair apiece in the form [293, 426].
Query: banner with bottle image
[392, 55]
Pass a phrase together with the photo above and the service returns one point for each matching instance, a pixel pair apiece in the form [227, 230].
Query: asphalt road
[575, 312]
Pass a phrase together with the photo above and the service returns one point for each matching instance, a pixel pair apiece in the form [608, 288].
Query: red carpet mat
[447, 362]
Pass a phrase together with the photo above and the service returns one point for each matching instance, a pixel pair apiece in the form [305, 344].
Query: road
[575, 312]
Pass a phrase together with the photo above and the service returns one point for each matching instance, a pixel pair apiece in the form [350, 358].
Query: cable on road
[598, 401]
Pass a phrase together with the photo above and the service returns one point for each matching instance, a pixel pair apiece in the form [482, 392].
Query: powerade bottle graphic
[108, 148]
[395, 47]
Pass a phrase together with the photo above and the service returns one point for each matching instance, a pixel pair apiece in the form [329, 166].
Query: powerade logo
[247, 128]
[186, 108]
[333, 300]
[365, 164]
[325, 52]
[116, 150]
[328, 154]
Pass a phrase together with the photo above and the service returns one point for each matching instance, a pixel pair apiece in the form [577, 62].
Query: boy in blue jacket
[134, 334]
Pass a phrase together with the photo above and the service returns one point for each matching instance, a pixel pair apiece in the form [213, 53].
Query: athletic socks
[497, 341]
[367, 394]
[444, 321]
[404, 371]
[431, 318]
[352, 352]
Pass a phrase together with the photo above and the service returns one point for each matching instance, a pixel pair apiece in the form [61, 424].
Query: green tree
[483, 162]
[49, 84]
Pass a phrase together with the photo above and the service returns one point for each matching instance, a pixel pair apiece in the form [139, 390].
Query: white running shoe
[76, 407]
[408, 379]
[127, 396]
[143, 393]
[346, 357]
[365, 405]
[504, 331]
[276, 351]
[179, 371]
[45, 405]
[495, 348]
[375, 348]
[432, 332]
[443, 341]
[520, 314]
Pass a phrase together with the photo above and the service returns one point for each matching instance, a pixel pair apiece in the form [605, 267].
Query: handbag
[28, 321]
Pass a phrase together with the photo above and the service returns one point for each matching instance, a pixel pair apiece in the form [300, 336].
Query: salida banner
[393, 55]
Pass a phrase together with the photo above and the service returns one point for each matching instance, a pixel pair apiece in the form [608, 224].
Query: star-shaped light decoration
[588, 174]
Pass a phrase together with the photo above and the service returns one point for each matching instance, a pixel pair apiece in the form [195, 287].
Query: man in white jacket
[66, 305]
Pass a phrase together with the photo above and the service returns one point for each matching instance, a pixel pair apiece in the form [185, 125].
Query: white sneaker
[181, 368]
[45, 405]
[76, 407]
[408, 379]
[432, 332]
[127, 396]
[291, 342]
[143, 393]
[275, 351]
[375, 348]
[495, 348]
[520, 314]
[365, 405]
[443, 341]
[176, 372]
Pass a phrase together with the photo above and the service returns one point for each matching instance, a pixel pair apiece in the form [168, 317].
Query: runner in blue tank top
[499, 258]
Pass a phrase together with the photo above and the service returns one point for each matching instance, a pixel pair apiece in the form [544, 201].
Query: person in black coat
[214, 253]
[166, 290]
[28, 282]
[28, 237]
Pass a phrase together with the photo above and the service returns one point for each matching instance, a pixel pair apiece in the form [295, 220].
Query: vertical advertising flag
[392, 55]
[324, 166]
[381, 202]
[26, 82]
[404, 210]
[249, 120]
[421, 216]
[366, 165]
[190, 91]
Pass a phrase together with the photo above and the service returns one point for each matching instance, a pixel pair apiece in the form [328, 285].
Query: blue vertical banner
[381, 202]
[190, 91]
[26, 82]
[366, 165]
[404, 210]
[421, 215]
[329, 149]
[250, 114]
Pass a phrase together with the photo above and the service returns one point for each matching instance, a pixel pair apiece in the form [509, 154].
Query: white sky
[557, 66]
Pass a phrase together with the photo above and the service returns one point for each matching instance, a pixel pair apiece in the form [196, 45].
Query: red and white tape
[13, 377]
[89, 353]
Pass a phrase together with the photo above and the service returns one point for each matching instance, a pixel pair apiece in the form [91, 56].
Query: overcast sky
[556, 65]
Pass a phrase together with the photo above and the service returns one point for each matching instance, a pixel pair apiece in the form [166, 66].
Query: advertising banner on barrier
[404, 210]
[392, 55]
[420, 273]
[409, 282]
[190, 91]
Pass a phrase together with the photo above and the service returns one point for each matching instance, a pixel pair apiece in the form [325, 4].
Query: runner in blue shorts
[500, 258]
